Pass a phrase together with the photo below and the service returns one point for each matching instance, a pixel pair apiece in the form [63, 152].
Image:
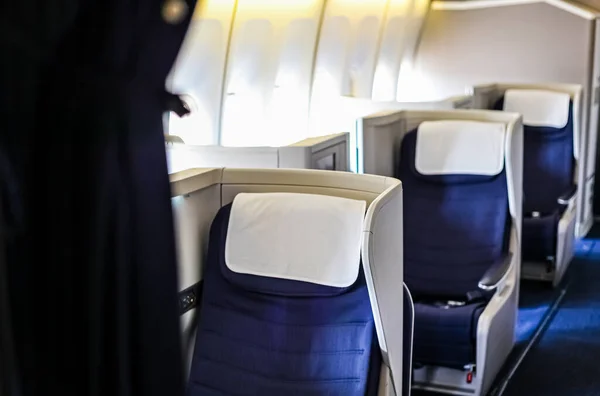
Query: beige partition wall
[328, 152]
[471, 43]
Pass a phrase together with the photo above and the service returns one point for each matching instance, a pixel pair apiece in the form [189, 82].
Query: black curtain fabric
[9, 385]
[91, 258]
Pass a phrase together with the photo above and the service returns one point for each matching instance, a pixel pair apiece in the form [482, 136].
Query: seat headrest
[298, 237]
[539, 108]
[460, 148]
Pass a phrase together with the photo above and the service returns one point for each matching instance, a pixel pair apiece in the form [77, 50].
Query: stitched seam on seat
[333, 325]
[356, 352]
[276, 379]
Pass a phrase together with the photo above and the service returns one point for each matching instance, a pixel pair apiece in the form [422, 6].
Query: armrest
[493, 276]
[567, 195]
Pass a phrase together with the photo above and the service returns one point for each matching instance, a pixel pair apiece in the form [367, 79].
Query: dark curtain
[91, 259]
[9, 385]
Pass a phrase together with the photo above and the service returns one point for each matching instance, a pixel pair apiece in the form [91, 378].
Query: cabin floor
[558, 333]
[565, 360]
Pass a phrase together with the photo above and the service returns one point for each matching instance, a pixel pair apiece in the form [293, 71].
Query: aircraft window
[411, 84]
[362, 58]
[199, 72]
[390, 57]
[270, 72]
[331, 58]
[288, 109]
[345, 62]
[244, 99]
[392, 49]
[329, 66]
[351, 29]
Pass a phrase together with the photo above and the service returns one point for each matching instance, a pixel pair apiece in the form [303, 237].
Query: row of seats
[549, 178]
[300, 288]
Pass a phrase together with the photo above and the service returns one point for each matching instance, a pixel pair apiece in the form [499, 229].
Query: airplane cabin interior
[387, 197]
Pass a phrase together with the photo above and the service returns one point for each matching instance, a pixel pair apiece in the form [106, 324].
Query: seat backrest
[285, 308]
[548, 160]
[456, 210]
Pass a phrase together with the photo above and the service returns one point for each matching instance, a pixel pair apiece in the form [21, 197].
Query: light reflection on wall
[271, 72]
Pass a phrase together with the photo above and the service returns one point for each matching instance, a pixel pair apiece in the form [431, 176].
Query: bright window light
[412, 85]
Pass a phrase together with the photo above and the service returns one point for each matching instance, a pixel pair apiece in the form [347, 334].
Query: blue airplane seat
[548, 166]
[285, 308]
[456, 207]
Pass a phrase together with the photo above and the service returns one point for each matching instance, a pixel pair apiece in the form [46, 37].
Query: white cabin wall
[518, 43]
[346, 57]
[199, 71]
[347, 48]
[408, 81]
[399, 37]
[269, 71]
[393, 45]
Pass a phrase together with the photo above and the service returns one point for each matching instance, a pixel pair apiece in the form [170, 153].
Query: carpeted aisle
[566, 361]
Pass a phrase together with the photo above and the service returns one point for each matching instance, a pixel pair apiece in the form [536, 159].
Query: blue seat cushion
[459, 227]
[539, 237]
[548, 172]
[253, 341]
[548, 164]
[446, 336]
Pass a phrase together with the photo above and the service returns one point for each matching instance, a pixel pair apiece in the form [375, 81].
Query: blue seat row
[287, 310]
[549, 178]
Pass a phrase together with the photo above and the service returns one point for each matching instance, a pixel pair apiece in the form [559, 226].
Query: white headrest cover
[302, 237]
[460, 147]
[539, 108]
